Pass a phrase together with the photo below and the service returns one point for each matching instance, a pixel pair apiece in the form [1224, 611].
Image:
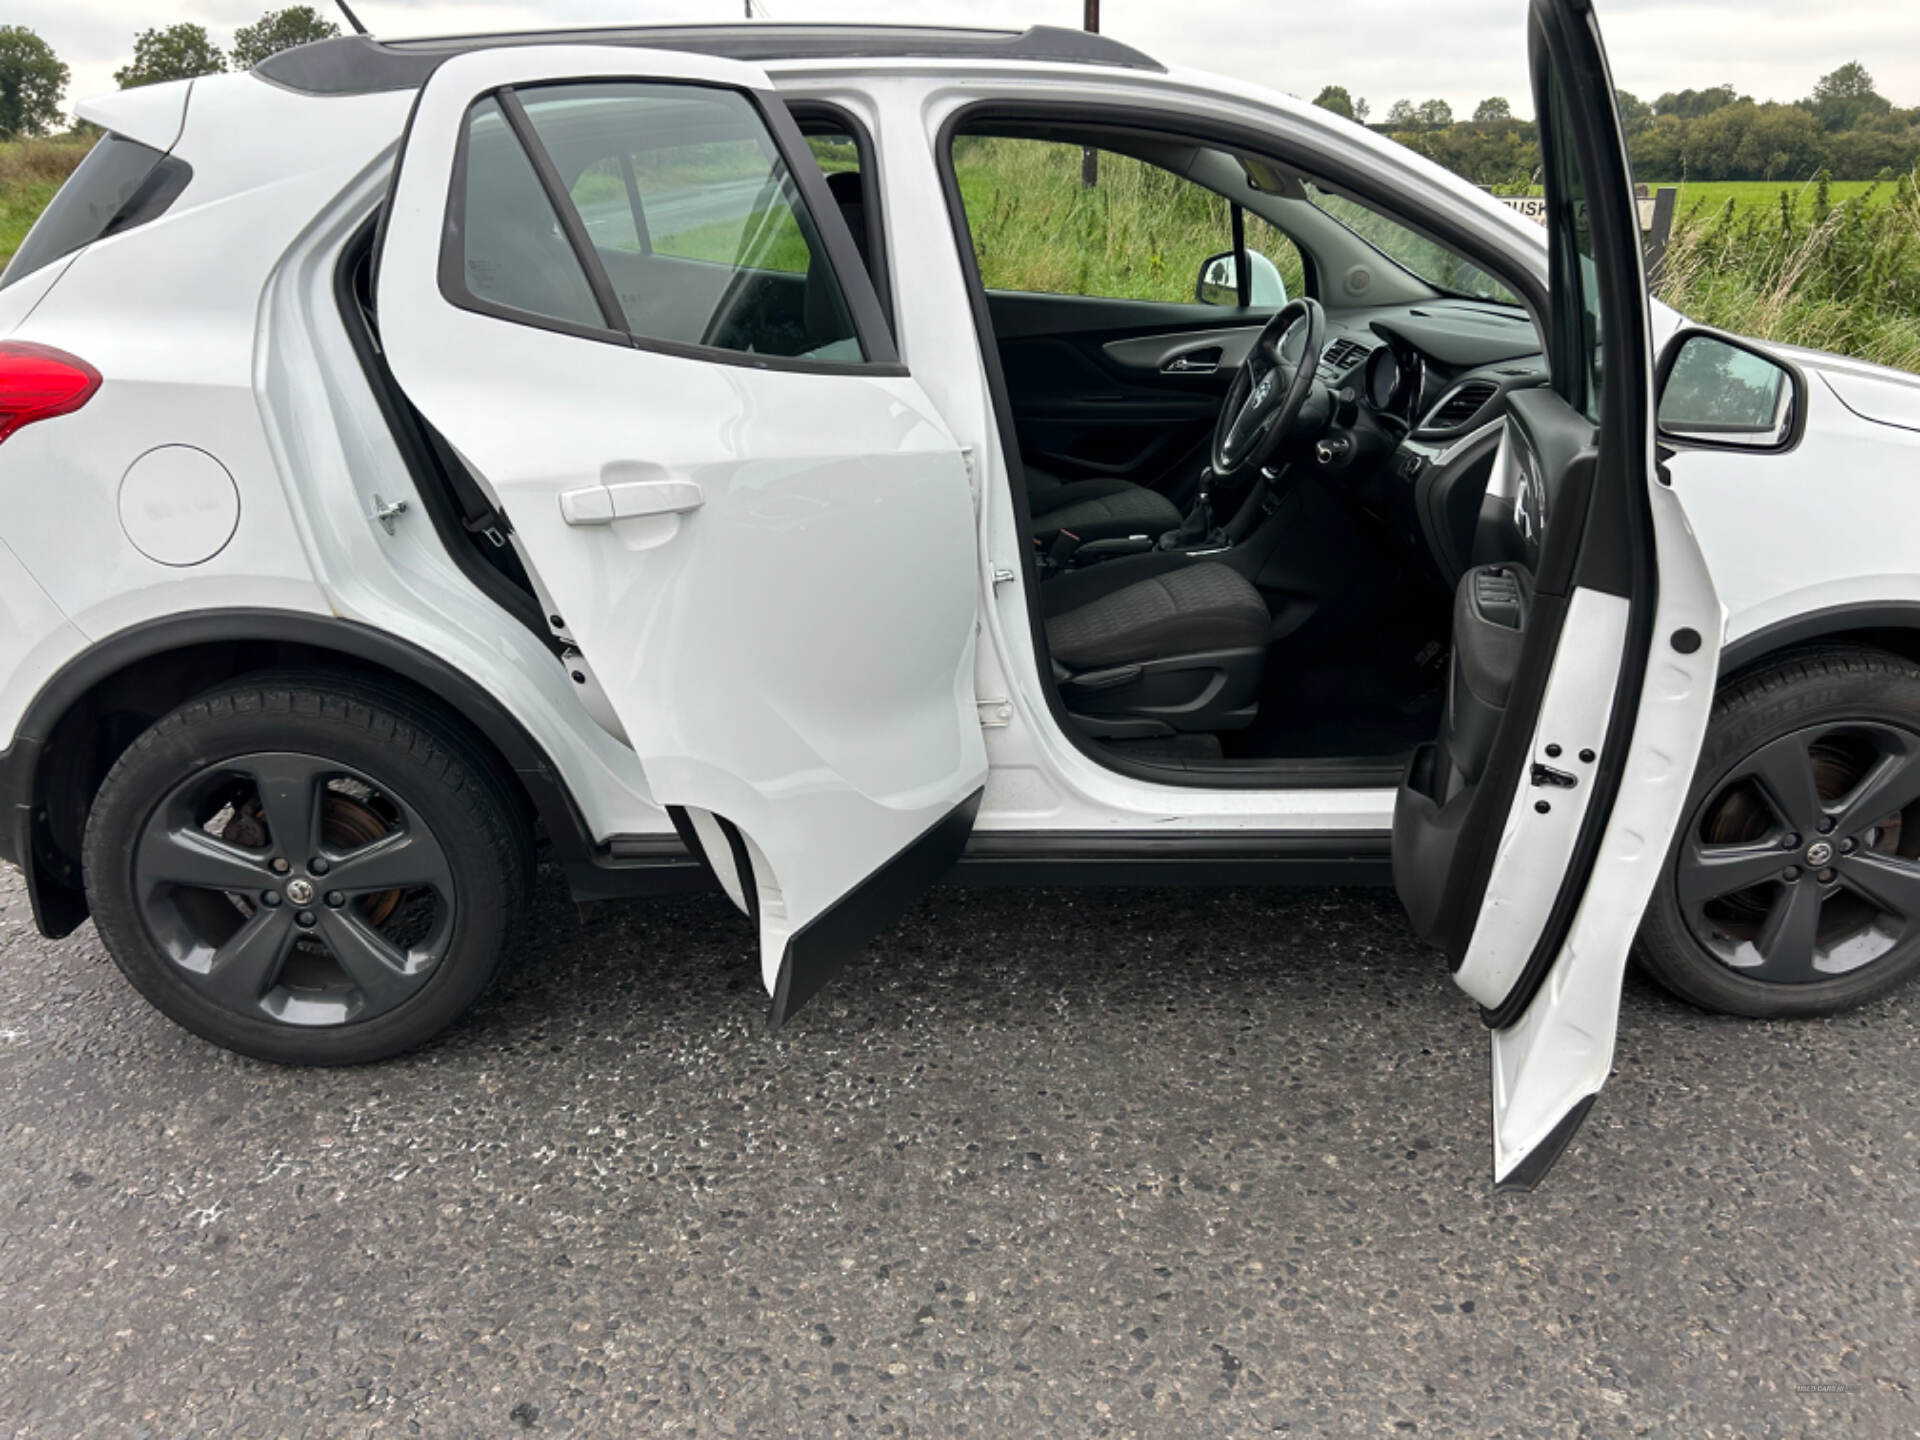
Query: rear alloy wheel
[1793, 887]
[308, 874]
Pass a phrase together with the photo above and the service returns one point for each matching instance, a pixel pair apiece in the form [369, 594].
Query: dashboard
[1419, 392]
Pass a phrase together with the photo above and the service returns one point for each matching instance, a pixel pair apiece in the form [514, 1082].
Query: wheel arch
[90, 710]
[1890, 625]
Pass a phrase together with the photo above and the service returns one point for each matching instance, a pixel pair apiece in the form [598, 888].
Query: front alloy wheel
[1794, 883]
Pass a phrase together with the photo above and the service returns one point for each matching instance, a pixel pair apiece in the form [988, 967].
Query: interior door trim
[1153, 353]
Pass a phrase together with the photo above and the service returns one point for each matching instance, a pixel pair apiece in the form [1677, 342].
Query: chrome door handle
[1189, 365]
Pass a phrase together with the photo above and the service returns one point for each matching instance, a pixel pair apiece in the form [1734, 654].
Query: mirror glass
[1722, 394]
[1219, 282]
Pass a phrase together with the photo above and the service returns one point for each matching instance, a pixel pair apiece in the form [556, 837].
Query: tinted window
[1136, 232]
[1425, 259]
[512, 250]
[121, 182]
[695, 218]
[1576, 283]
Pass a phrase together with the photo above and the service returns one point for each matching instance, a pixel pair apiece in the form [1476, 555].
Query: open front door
[1528, 837]
[615, 282]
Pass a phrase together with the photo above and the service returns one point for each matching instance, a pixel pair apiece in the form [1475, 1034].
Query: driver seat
[1095, 509]
[1178, 652]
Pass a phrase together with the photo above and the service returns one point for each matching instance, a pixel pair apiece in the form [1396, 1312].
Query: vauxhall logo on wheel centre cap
[1820, 853]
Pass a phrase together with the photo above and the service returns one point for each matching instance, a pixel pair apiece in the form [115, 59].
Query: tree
[1336, 99]
[1361, 109]
[1783, 142]
[1401, 114]
[32, 80]
[1845, 99]
[1692, 104]
[1494, 107]
[279, 30]
[1635, 113]
[178, 52]
[1436, 113]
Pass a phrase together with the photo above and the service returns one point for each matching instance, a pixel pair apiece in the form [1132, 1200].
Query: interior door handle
[627, 499]
[1194, 362]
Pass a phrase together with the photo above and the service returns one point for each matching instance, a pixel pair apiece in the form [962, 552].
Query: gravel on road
[1049, 1163]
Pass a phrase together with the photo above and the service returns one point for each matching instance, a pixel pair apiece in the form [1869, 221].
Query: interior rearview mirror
[1720, 392]
[1219, 281]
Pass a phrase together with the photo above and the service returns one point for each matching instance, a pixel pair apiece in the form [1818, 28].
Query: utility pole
[1089, 157]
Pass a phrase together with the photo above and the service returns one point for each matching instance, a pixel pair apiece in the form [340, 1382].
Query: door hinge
[995, 714]
[387, 511]
[1547, 775]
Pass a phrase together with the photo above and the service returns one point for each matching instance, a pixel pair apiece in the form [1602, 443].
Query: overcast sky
[1458, 50]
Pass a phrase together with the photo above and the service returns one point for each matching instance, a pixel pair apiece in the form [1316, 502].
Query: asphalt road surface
[1067, 1164]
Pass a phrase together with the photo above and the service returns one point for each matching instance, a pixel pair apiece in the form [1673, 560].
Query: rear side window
[514, 254]
[670, 201]
[120, 184]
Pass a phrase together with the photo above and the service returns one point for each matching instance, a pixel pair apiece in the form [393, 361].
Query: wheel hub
[231, 867]
[1794, 869]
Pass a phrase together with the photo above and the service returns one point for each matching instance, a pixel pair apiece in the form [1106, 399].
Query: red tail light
[38, 382]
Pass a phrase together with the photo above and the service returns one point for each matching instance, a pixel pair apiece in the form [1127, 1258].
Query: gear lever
[1197, 526]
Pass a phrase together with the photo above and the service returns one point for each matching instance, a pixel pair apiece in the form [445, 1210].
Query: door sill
[1364, 772]
[637, 866]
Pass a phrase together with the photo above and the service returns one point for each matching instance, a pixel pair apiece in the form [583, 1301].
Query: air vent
[1460, 405]
[1344, 354]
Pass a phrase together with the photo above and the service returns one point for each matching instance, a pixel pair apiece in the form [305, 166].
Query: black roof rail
[361, 65]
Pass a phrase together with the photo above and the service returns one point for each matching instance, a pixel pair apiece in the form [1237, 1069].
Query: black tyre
[309, 869]
[1793, 886]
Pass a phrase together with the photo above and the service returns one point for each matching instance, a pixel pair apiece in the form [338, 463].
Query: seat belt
[477, 512]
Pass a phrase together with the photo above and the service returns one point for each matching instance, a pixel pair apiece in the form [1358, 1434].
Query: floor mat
[1359, 710]
[1168, 747]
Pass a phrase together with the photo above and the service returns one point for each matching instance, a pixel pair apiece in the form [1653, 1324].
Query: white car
[412, 447]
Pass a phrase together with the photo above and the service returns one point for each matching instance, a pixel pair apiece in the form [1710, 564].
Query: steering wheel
[1272, 386]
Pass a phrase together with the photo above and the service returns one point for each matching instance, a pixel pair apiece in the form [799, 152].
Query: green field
[1747, 194]
[30, 171]
[1140, 233]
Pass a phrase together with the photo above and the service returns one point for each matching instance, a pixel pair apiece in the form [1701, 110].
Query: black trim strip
[571, 225]
[821, 948]
[1242, 268]
[643, 865]
[1532, 1170]
[1818, 625]
[358, 65]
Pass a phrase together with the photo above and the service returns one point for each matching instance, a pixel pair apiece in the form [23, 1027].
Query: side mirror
[1219, 281]
[1719, 392]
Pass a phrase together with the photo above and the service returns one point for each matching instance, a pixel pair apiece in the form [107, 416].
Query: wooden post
[1660, 231]
[1089, 157]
